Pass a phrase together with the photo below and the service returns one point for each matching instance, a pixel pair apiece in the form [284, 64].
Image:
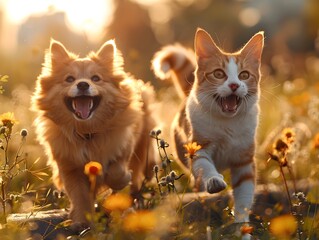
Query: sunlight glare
[89, 17]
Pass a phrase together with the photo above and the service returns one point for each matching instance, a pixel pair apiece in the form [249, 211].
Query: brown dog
[89, 109]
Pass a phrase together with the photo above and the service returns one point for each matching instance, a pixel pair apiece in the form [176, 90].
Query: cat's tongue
[82, 106]
[229, 103]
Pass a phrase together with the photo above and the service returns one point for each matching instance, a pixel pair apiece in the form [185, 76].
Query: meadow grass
[287, 152]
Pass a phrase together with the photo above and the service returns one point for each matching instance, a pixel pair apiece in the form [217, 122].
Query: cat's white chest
[227, 138]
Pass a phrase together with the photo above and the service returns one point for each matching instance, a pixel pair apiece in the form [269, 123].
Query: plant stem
[3, 196]
[286, 186]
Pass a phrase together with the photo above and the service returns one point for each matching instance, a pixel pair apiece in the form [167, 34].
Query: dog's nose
[83, 86]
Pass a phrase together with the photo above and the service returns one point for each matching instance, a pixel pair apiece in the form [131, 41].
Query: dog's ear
[109, 54]
[57, 53]
[107, 51]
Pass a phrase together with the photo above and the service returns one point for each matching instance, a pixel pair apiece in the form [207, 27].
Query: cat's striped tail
[178, 64]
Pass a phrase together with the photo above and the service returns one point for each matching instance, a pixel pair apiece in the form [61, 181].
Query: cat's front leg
[243, 183]
[204, 170]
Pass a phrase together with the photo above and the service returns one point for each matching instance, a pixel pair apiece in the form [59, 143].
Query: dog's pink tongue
[229, 103]
[82, 107]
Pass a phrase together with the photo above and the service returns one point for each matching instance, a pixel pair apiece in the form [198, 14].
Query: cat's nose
[233, 86]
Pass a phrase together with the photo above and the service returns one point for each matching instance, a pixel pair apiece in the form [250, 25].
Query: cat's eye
[243, 75]
[70, 79]
[219, 74]
[95, 78]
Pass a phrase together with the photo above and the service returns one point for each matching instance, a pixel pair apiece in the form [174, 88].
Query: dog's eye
[95, 78]
[70, 79]
[243, 75]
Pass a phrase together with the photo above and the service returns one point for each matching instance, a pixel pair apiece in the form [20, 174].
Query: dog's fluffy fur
[89, 109]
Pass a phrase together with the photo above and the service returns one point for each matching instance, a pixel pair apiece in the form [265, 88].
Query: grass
[287, 153]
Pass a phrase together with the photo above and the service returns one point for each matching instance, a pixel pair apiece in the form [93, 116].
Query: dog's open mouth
[230, 103]
[82, 106]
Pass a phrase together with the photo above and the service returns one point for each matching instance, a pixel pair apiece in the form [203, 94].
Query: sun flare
[89, 17]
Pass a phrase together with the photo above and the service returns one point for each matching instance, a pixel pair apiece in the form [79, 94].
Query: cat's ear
[205, 46]
[254, 47]
[57, 53]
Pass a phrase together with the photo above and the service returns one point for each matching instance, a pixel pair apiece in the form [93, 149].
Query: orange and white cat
[220, 112]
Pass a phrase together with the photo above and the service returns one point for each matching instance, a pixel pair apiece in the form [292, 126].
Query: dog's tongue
[82, 107]
[229, 103]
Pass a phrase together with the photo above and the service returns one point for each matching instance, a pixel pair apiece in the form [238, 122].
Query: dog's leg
[117, 175]
[142, 163]
[77, 187]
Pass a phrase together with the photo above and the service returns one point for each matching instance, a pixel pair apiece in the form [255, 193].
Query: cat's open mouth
[82, 106]
[229, 103]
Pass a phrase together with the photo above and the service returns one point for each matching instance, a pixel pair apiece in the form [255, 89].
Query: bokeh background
[290, 83]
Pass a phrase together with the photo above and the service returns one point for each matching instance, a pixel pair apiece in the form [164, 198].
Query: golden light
[249, 16]
[89, 17]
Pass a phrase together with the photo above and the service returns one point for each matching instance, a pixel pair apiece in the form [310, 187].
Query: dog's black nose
[83, 86]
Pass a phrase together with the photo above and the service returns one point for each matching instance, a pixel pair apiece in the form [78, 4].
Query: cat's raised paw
[215, 184]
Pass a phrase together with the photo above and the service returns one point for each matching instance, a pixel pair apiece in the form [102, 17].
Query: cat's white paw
[215, 184]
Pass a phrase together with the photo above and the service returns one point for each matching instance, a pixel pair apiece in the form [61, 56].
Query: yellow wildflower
[283, 226]
[289, 134]
[191, 149]
[118, 202]
[8, 120]
[93, 168]
[141, 221]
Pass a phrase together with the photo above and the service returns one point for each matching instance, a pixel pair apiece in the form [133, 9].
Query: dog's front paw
[215, 184]
[78, 227]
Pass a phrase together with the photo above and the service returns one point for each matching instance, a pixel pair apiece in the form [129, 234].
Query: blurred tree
[133, 34]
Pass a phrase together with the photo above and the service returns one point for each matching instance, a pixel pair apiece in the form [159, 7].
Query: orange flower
[191, 149]
[141, 221]
[118, 202]
[283, 226]
[246, 229]
[315, 141]
[93, 169]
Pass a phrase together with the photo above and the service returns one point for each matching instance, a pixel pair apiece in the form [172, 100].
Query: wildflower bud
[156, 168]
[56, 194]
[162, 143]
[301, 196]
[23, 132]
[173, 175]
[2, 130]
[152, 133]
[168, 179]
[164, 164]
[163, 182]
[281, 145]
[12, 197]
[158, 132]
